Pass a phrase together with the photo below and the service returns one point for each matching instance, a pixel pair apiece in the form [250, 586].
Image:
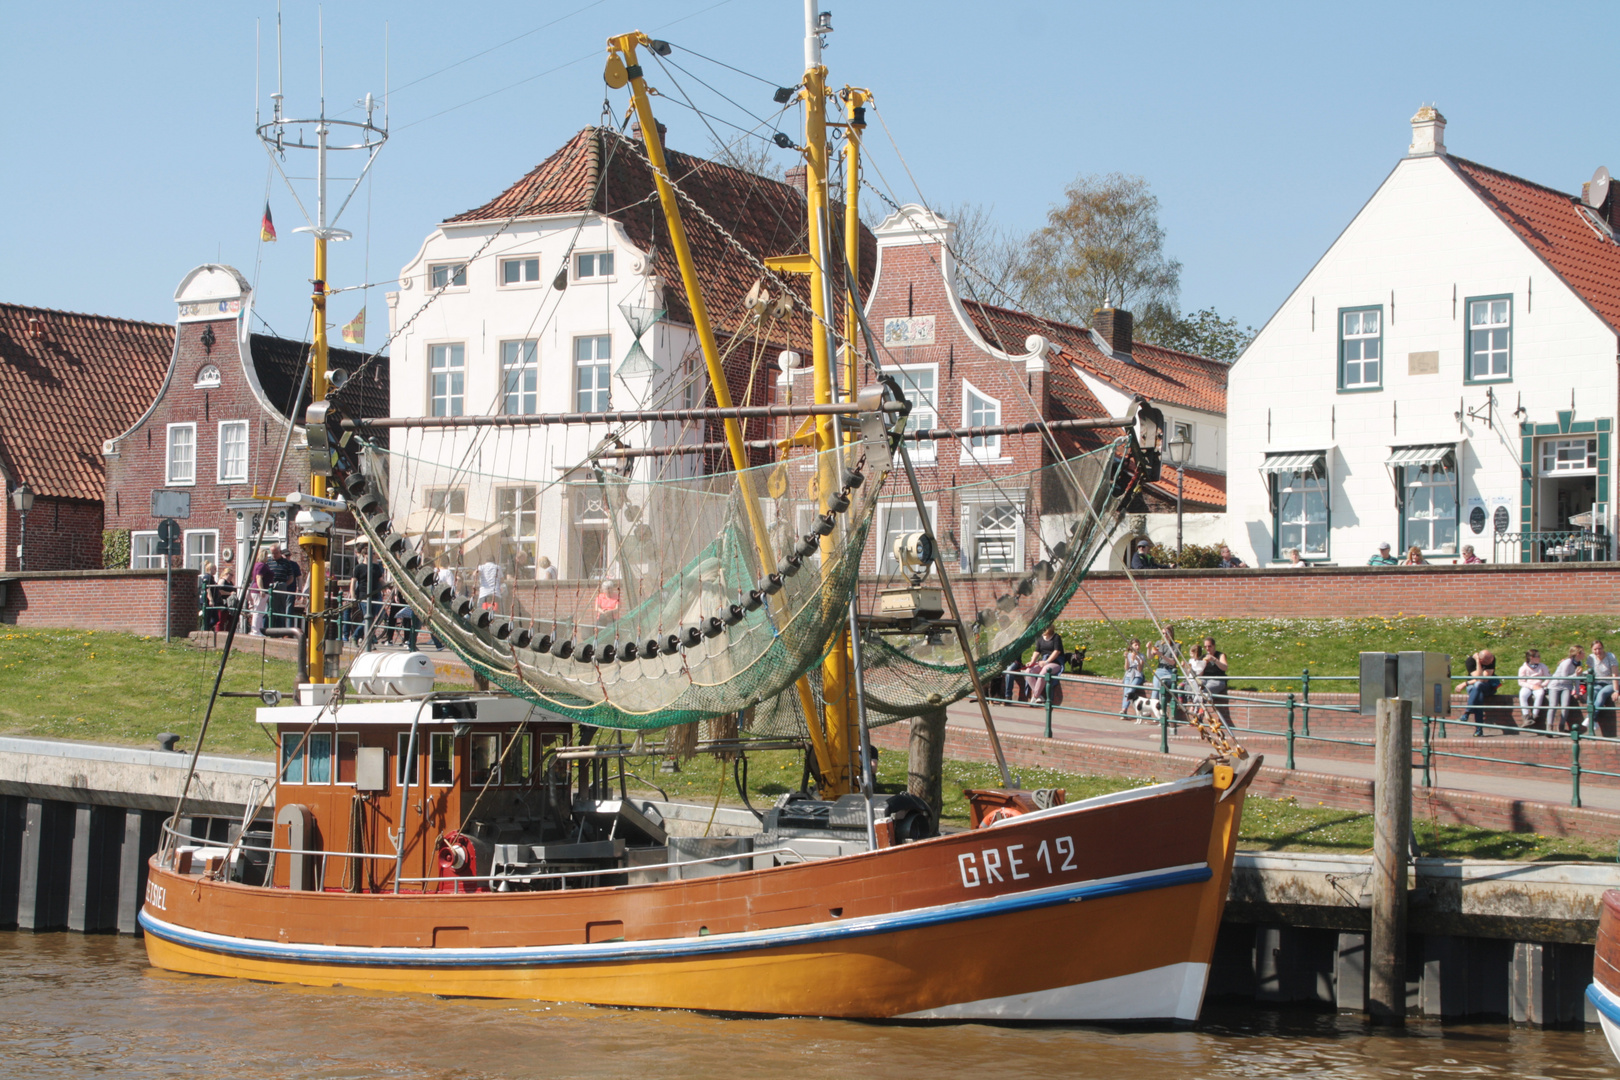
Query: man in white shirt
[489, 585]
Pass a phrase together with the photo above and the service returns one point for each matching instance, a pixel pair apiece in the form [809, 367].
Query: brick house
[215, 425]
[576, 305]
[966, 363]
[68, 381]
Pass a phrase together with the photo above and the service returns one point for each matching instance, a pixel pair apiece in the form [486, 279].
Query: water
[76, 1006]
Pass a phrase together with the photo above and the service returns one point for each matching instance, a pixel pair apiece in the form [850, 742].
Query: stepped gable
[602, 171]
[279, 364]
[69, 381]
[1557, 229]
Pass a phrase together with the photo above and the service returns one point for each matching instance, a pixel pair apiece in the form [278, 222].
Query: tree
[988, 257]
[1103, 245]
[1205, 333]
[747, 152]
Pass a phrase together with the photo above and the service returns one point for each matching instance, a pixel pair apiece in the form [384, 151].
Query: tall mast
[838, 716]
[279, 135]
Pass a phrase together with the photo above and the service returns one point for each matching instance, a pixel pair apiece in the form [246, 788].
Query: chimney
[798, 178]
[36, 327]
[1114, 325]
[1428, 132]
[663, 133]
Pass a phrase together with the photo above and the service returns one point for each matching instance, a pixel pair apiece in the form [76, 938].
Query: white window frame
[432, 738]
[232, 478]
[404, 760]
[1187, 427]
[526, 353]
[1557, 461]
[1303, 523]
[522, 263]
[989, 446]
[201, 557]
[1360, 338]
[435, 495]
[149, 560]
[600, 363]
[449, 370]
[171, 480]
[968, 560]
[924, 409]
[1414, 478]
[1495, 346]
[450, 278]
[494, 777]
[595, 257]
[337, 757]
[885, 513]
[301, 757]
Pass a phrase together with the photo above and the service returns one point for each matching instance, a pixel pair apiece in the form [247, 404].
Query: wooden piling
[926, 766]
[1392, 826]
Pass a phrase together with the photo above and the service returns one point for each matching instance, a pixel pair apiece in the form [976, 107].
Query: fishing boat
[487, 843]
[1604, 993]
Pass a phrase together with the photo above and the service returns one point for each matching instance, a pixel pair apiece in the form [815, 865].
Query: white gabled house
[1445, 375]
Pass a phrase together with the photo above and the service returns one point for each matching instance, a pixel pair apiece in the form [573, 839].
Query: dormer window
[208, 377]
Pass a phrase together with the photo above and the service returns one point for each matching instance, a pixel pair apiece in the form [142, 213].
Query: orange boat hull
[1104, 910]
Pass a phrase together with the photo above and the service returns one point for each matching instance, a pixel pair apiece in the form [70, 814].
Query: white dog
[1146, 707]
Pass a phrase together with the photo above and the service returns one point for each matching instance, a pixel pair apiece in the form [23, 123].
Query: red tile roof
[1159, 374]
[1200, 489]
[602, 171]
[1556, 228]
[85, 379]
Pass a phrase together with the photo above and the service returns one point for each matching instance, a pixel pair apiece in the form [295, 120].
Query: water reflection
[76, 1005]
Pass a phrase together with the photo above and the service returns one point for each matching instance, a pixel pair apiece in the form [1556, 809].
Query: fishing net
[1016, 547]
[666, 600]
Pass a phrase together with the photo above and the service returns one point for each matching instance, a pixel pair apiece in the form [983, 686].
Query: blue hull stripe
[675, 948]
[1606, 1004]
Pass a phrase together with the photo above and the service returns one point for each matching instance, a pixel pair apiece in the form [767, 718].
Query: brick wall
[1506, 589]
[62, 534]
[126, 600]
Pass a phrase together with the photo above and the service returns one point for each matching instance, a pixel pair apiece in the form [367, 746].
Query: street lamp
[22, 498]
[1180, 450]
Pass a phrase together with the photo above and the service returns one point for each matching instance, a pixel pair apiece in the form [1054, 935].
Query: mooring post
[1392, 828]
[1305, 700]
[1290, 763]
[926, 765]
[1051, 683]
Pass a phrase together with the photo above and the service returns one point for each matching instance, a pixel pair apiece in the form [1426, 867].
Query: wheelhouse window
[520, 271]
[348, 753]
[483, 760]
[182, 454]
[1490, 339]
[233, 452]
[320, 757]
[447, 275]
[1429, 506]
[1361, 348]
[920, 384]
[441, 759]
[518, 767]
[591, 377]
[447, 374]
[1300, 509]
[292, 758]
[593, 264]
[520, 370]
[409, 753]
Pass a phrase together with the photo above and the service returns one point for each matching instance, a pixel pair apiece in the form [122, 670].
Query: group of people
[272, 593]
[1414, 557]
[1206, 664]
[1549, 700]
[1142, 557]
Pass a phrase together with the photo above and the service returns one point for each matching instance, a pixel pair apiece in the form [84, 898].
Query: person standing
[259, 582]
[1213, 678]
[489, 585]
[1132, 683]
[284, 576]
[205, 584]
[444, 578]
[366, 589]
[1533, 676]
[1164, 674]
[219, 600]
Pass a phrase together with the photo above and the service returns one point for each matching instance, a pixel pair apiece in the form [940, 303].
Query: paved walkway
[1106, 731]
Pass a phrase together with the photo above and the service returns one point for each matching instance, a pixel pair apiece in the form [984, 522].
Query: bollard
[1392, 828]
[1575, 766]
[1051, 681]
[1164, 719]
[1290, 764]
[1305, 700]
[1428, 747]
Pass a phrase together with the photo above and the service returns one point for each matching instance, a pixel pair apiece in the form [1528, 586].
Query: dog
[1145, 707]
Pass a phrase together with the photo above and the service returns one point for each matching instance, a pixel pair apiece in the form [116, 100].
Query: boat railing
[205, 844]
[1573, 717]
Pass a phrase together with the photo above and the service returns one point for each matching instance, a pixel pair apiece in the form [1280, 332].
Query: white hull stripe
[1607, 1003]
[1172, 992]
[674, 948]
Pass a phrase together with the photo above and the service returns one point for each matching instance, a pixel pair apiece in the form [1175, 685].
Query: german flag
[267, 228]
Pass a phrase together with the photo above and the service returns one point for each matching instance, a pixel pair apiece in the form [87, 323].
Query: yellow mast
[622, 71]
[314, 542]
[855, 102]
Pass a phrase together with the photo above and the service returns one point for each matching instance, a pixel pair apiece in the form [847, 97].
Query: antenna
[258, 51]
[320, 48]
[385, 76]
[278, 59]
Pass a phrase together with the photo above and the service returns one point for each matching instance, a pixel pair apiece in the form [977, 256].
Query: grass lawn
[1257, 648]
[121, 688]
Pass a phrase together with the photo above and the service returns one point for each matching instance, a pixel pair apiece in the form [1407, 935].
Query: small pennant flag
[354, 331]
[267, 228]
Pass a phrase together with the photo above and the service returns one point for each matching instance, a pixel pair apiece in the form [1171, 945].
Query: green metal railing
[1294, 709]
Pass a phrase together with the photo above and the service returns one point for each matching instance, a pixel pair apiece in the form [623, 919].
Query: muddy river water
[76, 1006]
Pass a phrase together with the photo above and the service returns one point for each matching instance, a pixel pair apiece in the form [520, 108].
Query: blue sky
[130, 155]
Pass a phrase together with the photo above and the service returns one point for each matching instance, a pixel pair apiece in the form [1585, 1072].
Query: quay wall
[131, 601]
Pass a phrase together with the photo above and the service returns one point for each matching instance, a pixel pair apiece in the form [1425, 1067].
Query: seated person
[1047, 661]
[1383, 558]
[1533, 690]
[1484, 683]
[1230, 561]
[1142, 558]
[1468, 556]
[1013, 687]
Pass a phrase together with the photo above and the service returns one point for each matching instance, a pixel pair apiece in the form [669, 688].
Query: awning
[1291, 463]
[1420, 455]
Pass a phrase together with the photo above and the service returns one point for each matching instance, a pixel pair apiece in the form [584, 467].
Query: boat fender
[1001, 813]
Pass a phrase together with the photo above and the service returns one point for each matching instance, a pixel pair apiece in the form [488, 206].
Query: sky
[130, 154]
